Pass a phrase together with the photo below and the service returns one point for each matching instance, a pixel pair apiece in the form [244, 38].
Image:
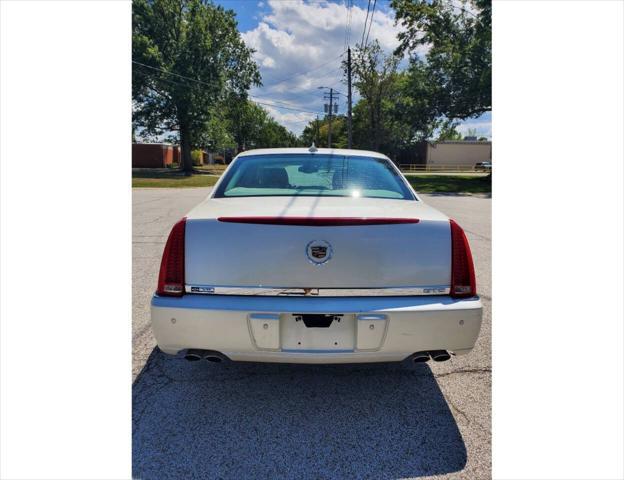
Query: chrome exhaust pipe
[440, 355]
[420, 357]
[193, 355]
[214, 357]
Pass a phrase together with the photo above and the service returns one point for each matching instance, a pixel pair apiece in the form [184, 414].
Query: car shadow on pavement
[256, 420]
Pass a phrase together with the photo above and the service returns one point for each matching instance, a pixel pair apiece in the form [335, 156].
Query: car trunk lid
[317, 242]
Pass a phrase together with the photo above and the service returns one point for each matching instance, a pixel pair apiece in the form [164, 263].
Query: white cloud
[268, 62]
[300, 119]
[296, 36]
[483, 127]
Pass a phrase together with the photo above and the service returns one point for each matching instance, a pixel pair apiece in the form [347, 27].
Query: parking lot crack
[458, 410]
[465, 416]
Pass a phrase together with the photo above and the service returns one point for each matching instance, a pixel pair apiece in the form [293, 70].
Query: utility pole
[333, 108]
[349, 124]
[316, 131]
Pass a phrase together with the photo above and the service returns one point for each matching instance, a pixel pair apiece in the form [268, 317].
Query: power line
[252, 96]
[174, 74]
[168, 80]
[330, 76]
[191, 79]
[283, 102]
[286, 108]
[347, 41]
[344, 43]
[370, 23]
[275, 104]
[307, 71]
[365, 22]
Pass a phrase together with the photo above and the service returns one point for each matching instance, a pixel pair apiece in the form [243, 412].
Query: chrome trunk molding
[319, 292]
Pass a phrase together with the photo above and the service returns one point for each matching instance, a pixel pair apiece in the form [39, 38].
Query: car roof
[318, 151]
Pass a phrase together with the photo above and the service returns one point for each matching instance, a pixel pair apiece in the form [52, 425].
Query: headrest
[274, 178]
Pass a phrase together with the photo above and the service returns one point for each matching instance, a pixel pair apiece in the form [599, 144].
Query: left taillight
[171, 277]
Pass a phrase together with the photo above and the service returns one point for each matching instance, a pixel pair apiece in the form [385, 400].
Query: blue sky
[298, 46]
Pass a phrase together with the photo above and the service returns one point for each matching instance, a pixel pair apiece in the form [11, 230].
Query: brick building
[154, 155]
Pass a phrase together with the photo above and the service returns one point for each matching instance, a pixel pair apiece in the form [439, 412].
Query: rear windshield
[313, 175]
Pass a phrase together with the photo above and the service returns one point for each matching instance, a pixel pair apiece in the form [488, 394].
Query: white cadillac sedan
[315, 256]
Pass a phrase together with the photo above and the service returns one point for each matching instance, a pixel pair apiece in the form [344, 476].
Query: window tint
[313, 175]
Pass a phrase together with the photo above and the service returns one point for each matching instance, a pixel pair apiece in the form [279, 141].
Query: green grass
[421, 183]
[174, 179]
[215, 169]
[451, 183]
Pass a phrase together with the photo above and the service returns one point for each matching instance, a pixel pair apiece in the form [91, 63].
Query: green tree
[418, 106]
[317, 131]
[245, 121]
[253, 127]
[310, 133]
[217, 135]
[188, 57]
[396, 121]
[458, 69]
[274, 135]
[448, 131]
[375, 76]
[471, 132]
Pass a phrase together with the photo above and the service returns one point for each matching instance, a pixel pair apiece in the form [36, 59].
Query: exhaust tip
[420, 357]
[194, 355]
[440, 355]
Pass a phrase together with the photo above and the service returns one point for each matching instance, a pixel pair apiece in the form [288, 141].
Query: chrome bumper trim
[320, 292]
[368, 317]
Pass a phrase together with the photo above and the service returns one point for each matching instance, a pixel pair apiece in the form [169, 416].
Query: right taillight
[171, 277]
[463, 283]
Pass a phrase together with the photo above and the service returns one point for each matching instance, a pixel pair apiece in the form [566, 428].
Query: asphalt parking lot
[247, 420]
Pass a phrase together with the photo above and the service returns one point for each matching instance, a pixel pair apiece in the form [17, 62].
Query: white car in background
[316, 256]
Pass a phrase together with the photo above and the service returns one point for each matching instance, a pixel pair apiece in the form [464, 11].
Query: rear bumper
[374, 329]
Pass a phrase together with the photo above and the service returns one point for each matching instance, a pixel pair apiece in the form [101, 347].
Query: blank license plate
[318, 332]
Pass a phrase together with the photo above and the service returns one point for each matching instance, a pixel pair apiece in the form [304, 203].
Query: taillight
[171, 277]
[463, 283]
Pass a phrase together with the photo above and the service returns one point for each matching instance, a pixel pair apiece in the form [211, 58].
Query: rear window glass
[313, 175]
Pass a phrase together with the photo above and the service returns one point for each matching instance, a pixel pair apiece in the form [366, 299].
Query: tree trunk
[185, 145]
[372, 126]
[375, 136]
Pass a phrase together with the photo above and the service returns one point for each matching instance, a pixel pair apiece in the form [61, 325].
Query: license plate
[317, 332]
